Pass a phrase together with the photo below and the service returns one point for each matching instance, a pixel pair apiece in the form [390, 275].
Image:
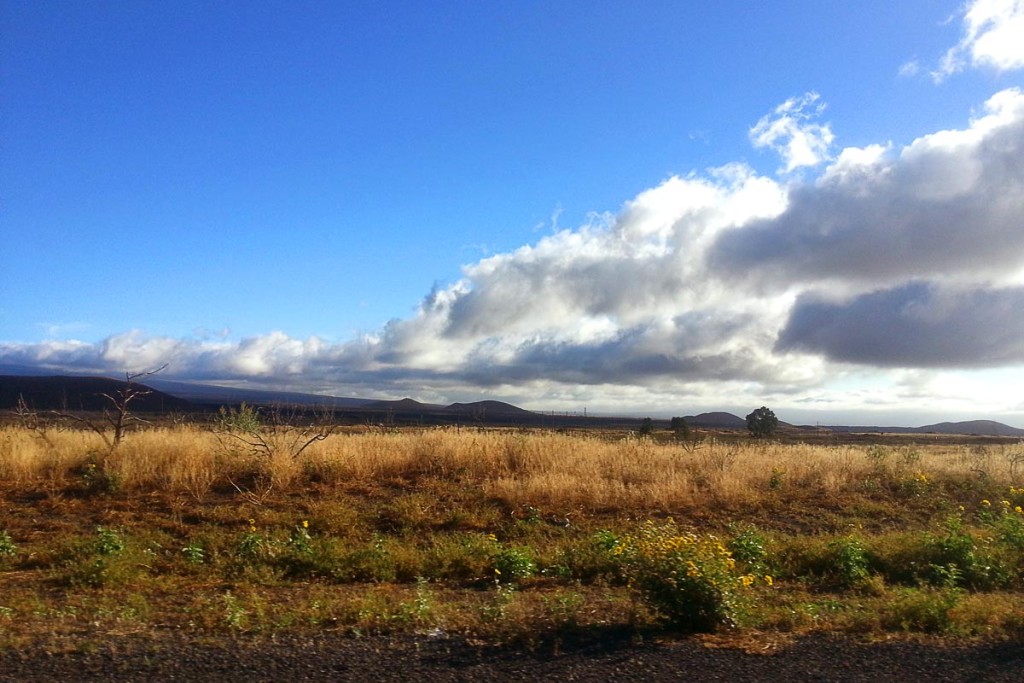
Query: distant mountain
[13, 369]
[405, 405]
[979, 427]
[716, 421]
[488, 408]
[985, 427]
[211, 394]
[59, 392]
[81, 393]
[969, 427]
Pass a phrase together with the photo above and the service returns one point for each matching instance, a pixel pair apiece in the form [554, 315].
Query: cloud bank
[718, 287]
[726, 281]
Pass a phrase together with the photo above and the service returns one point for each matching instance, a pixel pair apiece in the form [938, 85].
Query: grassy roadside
[501, 535]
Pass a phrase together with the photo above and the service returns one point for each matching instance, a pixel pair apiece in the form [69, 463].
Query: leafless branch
[119, 416]
[30, 420]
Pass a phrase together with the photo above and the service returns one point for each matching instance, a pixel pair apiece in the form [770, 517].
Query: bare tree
[30, 420]
[119, 415]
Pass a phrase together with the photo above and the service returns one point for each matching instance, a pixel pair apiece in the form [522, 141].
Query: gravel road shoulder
[611, 657]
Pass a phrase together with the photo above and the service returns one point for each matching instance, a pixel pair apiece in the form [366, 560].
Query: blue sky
[647, 207]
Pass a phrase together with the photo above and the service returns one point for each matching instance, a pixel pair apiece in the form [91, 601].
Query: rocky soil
[608, 657]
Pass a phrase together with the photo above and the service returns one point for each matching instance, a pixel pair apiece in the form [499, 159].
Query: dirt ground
[436, 657]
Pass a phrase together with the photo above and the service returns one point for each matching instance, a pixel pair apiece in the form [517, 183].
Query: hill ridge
[77, 392]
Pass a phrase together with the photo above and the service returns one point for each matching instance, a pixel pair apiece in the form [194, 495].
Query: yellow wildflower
[305, 524]
[768, 579]
[747, 579]
[986, 503]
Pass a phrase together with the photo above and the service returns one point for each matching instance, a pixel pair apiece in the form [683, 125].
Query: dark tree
[762, 422]
[647, 427]
[680, 428]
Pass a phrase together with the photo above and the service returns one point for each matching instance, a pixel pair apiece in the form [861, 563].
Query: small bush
[956, 553]
[194, 553]
[1008, 522]
[588, 559]
[749, 547]
[253, 546]
[514, 564]
[101, 562]
[460, 557]
[108, 541]
[7, 546]
[925, 610]
[370, 564]
[850, 561]
[99, 480]
[691, 580]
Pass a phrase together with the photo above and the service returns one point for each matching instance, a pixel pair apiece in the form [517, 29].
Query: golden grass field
[564, 472]
[499, 533]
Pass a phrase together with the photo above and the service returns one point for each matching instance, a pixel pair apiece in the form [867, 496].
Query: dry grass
[372, 530]
[542, 469]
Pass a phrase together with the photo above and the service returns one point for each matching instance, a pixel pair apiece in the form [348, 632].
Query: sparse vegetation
[502, 533]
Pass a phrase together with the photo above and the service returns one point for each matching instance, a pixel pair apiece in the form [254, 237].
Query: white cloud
[993, 38]
[948, 205]
[790, 131]
[716, 289]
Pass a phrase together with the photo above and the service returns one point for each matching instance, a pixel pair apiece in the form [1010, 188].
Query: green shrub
[956, 553]
[252, 545]
[370, 564]
[588, 559]
[921, 609]
[244, 419]
[514, 564]
[7, 545]
[1008, 521]
[830, 562]
[108, 541]
[101, 561]
[749, 547]
[299, 541]
[849, 561]
[98, 480]
[194, 553]
[691, 580]
[459, 557]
